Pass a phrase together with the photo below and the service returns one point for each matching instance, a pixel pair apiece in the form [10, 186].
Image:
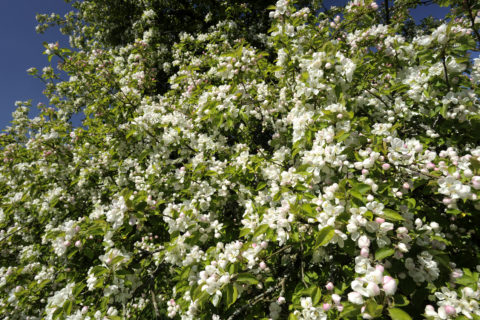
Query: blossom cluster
[327, 170]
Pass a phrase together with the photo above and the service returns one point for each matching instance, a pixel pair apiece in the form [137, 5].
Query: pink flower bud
[373, 289]
[389, 285]
[336, 298]
[406, 185]
[330, 286]
[476, 182]
[385, 166]
[379, 268]
[66, 243]
[402, 230]
[364, 252]
[379, 220]
[84, 309]
[78, 243]
[263, 265]
[326, 306]
[364, 172]
[281, 300]
[457, 273]
[363, 242]
[449, 310]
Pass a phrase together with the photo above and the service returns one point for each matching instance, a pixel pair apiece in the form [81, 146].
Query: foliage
[329, 169]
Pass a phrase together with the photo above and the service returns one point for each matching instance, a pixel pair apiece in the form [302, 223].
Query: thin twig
[279, 251]
[155, 307]
[258, 298]
[12, 233]
[378, 97]
[472, 19]
[302, 265]
[446, 72]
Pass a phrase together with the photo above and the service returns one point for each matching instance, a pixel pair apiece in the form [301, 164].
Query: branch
[446, 73]
[387, 12]
[279, 251]
[155, 307]
[256, 299]
[378, 97]
[417, 171]
[472, 19]
[302, 265]
[12, 233]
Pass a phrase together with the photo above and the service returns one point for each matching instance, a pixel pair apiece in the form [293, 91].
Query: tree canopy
[247, 160]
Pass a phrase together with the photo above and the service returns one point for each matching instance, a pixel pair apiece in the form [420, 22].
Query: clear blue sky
[21, 48]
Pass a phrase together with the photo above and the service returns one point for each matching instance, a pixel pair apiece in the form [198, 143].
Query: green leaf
[373, 308]
[316, 295]
[324, 236]
[341, 136]
[362, 188]
[232, 294]
[244, 232]
[260, 230]
[67, 306]
[392, 215]
[307, 208]
[398, 314]
[96, 231]
[350, 311]
[71, 254]
[247, 278]
[383, 253]
[117, 259]
[356, 195]
[78, 289]
[99, 270]
[261, 186]
[57, 313]
[400, 300]
[291, 316]
[411, 203]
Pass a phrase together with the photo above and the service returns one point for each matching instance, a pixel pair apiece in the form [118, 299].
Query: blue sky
[21, 48]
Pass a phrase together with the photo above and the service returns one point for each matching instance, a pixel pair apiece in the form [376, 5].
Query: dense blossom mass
[328, 168]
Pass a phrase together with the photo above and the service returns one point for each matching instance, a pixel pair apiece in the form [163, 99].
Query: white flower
[389, 285]
[355, 297]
